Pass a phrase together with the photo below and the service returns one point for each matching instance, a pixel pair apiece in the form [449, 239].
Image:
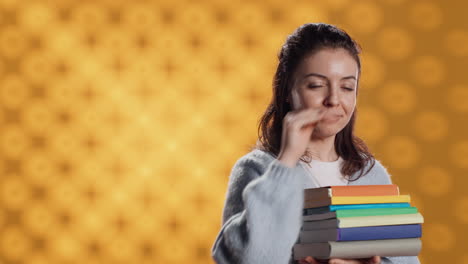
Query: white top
[323, 173]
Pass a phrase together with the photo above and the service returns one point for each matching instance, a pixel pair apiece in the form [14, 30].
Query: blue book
[332, 208]
[361, 233]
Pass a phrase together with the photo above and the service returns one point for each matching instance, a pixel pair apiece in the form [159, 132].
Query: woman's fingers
[373, 260]
[297, 130]
[304, 117]
[307, 114]
[311, 260]
[376, 260]
[310, 113]
[308, 260]
[343, 261]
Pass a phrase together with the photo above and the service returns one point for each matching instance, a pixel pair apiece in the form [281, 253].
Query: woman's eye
[349, 89]
[314, 86]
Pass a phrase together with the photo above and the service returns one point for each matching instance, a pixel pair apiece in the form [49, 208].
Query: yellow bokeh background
[121, 120]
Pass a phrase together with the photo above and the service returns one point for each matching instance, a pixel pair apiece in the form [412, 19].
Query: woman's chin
[321, 133]
[324, 130]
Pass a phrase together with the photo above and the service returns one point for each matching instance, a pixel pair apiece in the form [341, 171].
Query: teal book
[332, 208]
[360, 212]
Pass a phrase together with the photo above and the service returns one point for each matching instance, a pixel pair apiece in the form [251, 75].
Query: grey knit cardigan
[262, 214]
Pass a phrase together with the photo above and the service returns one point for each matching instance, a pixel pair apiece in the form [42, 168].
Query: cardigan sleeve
[262, 213]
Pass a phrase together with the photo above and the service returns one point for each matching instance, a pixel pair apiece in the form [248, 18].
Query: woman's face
[327, 79]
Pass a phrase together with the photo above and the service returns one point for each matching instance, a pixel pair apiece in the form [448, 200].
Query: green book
[376, 211]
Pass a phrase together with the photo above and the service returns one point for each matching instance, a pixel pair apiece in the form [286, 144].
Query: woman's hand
[311, 260]
[373, 260]
[298, 126]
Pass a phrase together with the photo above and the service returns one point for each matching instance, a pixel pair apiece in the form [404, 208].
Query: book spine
[332, 208]
[370, 199]
[376, 211]
[365, 190]
[362, 206]
[369, 248]
[380, 220]
[379, 232]
[358, 249]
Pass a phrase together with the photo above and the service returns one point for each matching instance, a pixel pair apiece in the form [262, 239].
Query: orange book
[365, 190]
[351, 190]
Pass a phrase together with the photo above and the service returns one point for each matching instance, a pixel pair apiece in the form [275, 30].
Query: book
[360, 212]
[332, 208]
[361, 233]
[358, 249]
[374, 220]
[357, 200]
[351, 190]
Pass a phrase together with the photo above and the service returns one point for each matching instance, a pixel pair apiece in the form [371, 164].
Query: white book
[358, 249]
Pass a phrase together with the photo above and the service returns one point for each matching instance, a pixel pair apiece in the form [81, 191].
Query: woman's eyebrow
[325, 77]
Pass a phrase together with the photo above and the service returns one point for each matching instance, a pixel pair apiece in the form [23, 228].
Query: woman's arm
[262, 213]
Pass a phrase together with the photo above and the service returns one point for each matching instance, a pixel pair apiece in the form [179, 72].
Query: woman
[306, 141]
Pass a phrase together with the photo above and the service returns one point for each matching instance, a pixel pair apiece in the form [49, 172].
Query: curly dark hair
[306, 40]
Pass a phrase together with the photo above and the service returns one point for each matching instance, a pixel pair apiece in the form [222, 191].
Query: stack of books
[358, 221]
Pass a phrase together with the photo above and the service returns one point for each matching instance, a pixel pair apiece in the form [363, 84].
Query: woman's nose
[331, 99]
